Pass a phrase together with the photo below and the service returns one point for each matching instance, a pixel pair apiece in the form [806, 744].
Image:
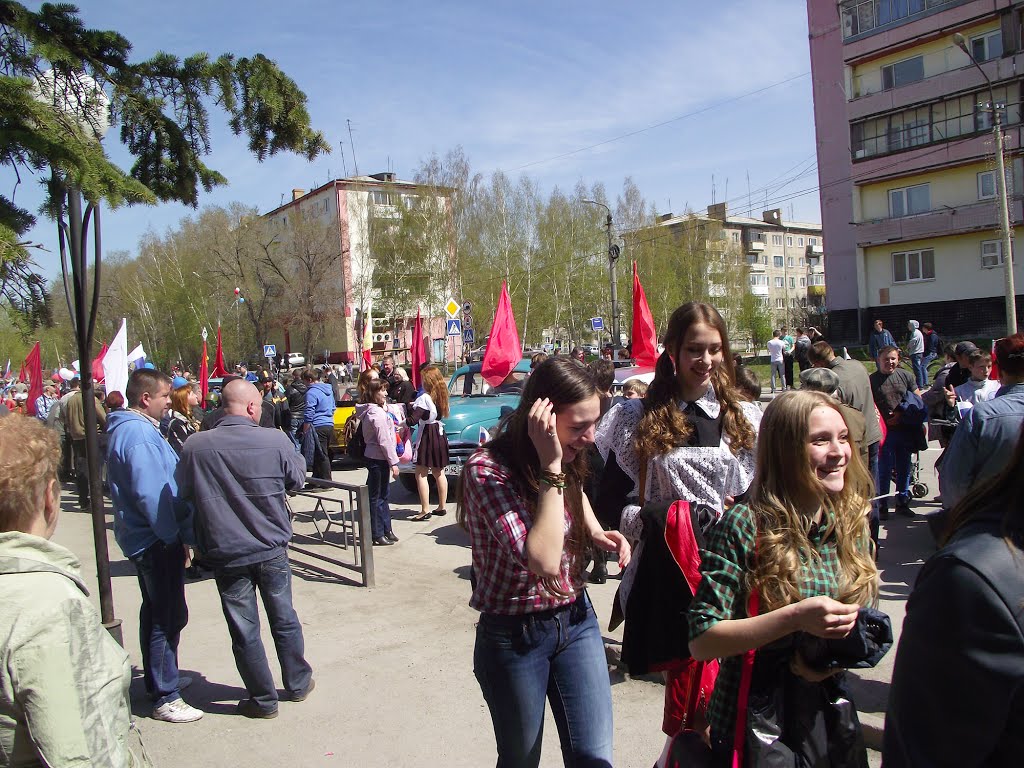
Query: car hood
[468, 414]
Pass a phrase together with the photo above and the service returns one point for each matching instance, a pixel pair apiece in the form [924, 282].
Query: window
[792, 302]
[987, 46]
[803, 301]
[800, 242]
[986, 185]
[381, 198]
[862, 16]
[792, 282]
[764, 260]
[803, 282]
[812, 241]
[789, 261]
[779, 283]
[762, 300]
[778, 261]
[800, 262]
[902, 73]
[911, 266]
[780, 303]
[761, 280]
[818, 279]
[776, 239]
[789, 241]
[735, 237]
[991, 254]
[910, 200]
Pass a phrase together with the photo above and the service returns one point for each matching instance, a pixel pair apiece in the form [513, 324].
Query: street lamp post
[613, 255]
[1004, 203]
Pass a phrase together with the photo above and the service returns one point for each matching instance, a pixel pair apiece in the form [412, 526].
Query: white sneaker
[176, 711]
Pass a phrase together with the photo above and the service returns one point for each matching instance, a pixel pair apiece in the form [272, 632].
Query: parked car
[294, 360]
[644, 373]
[344, 409]
[475, 408]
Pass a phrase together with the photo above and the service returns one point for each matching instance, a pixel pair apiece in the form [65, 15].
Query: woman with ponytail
[530, 526]
[691, 438]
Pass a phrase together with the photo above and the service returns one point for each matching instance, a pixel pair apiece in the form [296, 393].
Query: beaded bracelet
[554, 479]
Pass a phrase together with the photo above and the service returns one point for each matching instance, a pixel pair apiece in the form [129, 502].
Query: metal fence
[337, 529]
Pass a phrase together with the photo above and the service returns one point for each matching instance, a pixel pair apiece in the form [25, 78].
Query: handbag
[690, 747]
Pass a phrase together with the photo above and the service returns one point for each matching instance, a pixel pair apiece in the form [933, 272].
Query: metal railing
[345, 531]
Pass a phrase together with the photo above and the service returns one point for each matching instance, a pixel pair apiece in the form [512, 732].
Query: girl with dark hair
[957, 695]
[530, 526]
[430, 452]
[802, 544]
[381, 458]
[692, 439]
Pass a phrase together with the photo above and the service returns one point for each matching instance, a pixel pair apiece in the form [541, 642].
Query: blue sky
[523, 87]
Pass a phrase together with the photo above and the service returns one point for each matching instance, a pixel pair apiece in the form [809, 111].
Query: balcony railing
[860, 17]
[937, 223]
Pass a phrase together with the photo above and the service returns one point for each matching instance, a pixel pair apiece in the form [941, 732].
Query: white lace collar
[707, 403]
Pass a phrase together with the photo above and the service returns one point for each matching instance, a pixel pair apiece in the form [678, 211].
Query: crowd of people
[746, 538]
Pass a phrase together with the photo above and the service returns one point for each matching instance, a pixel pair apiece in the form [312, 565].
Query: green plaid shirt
[723, 595]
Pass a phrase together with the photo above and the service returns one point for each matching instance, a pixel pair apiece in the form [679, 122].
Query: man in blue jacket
[319, 417]
[151, 527]
[237, 476]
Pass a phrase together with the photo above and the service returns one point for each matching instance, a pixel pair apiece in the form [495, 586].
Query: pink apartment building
[905, 160]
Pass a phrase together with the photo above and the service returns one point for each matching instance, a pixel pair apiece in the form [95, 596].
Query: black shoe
[295, 696]
[250, 708]
[883, 513]
[904, 509]
[599, 573]
[390, 536]
[382, 541]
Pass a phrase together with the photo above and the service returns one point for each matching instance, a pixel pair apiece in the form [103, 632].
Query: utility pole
[613, 256]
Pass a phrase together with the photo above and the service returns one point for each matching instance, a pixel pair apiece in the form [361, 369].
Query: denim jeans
[895, 454]
[556, 655]
[778, 369]
[237, 587]
[920, 374]
[873, 469]
[161, 572]
[293, 433]
[378, 481]
[925, 362]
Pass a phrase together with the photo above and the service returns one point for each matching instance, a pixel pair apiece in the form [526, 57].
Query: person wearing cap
[962, 372]
[986, 436]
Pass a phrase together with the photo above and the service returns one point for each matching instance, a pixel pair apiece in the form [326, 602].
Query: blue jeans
[237, 587]
[895, 454]
[378, 481]
[557, 655]
[161, 572]
[873, 469]
[926, 361]
[920, 373]
[777, 367]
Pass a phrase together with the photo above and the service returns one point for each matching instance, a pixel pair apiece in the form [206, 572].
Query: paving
[393, 664]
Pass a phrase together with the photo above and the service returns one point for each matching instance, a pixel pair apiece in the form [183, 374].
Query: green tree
[159, 106]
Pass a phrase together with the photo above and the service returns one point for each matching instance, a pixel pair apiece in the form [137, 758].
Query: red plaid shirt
[498, 521]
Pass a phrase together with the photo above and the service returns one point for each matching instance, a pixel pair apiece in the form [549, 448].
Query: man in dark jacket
[296, 394]
[237, 476]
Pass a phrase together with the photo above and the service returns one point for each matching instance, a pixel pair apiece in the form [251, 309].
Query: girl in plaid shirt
[530, 525]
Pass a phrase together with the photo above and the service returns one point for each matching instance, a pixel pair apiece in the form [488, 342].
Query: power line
[663, 123]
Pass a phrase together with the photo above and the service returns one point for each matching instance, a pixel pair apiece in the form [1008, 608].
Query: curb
[873, 727]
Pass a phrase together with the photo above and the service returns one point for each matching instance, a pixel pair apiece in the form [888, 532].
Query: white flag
[137, 356]
[115, 362]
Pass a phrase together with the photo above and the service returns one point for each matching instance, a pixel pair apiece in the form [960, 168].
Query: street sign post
[269, 350]
[597, 324]
[468, 336]
[454, 327]
[452, 308]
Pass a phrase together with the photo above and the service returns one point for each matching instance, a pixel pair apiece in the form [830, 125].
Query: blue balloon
[241, 300]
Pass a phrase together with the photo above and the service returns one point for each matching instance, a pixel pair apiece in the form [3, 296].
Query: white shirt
[775, 349]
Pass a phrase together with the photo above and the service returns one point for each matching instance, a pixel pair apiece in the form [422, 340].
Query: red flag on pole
[204, 374]
[503, 349]
[97, 365]
[418, 352]
[645, 338]
[994, 374]
[34, 371]
[218, 362]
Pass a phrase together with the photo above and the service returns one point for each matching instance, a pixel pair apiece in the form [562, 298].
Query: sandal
[440, 512]
[421, 516]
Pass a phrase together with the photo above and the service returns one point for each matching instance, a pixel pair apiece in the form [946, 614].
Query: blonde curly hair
[29, 457]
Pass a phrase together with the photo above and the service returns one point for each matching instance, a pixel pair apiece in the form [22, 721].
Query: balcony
[815, 269]
[815, 251]
[759, 290]
[937, 223]
[755, 246]
[757, 266]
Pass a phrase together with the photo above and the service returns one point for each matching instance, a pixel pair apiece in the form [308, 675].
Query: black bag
[355, 442]
[794, 723]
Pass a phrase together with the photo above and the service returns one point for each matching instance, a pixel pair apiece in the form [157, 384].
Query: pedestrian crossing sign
[454, 327]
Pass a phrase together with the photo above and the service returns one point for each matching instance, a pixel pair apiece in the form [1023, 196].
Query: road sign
[452, 308]
[466, 307]
[467, 319]
[468, 336]
[269, 350]
[597, 323]
[454, 327]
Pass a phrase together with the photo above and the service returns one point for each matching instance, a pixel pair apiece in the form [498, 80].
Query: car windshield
[472, 384]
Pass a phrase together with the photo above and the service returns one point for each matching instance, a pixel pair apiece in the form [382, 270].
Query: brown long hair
[564, 381]
[663, 426]
[435, 386]
[783, 476]
[179, 402]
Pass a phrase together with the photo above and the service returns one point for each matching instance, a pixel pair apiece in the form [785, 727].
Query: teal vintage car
[475, 408]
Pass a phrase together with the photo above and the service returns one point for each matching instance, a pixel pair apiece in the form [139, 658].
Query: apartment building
[906, 159]
[373, 279]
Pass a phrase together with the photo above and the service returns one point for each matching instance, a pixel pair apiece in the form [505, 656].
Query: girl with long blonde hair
[430, 451]
[801, 541]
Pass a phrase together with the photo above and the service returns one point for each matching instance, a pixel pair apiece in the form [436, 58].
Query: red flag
[22, 376]
[994, 374]
[204, 374]
[645, 338]
[503, 349]
[97, 365]
[34, 371]
[218, 363]
[420, 352]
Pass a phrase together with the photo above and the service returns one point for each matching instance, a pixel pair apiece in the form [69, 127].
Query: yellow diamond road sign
[452, 308]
